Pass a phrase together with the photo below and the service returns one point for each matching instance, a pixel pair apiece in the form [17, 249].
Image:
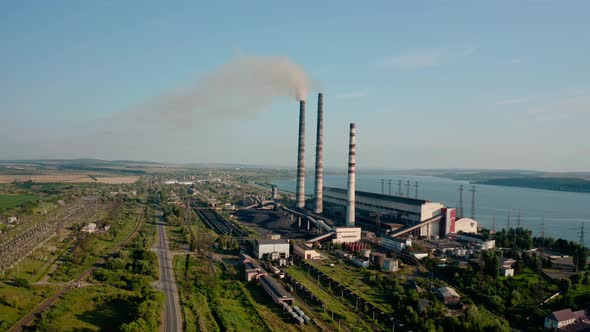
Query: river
[560, 213]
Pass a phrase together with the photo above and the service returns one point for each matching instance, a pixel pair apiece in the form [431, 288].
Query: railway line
[362, 306]
[219, 224]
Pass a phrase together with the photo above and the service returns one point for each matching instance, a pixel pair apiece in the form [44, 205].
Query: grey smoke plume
[240, 88]
[244, 86]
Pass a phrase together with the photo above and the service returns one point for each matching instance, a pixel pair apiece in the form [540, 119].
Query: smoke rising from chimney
[243, 86]
[240, 88]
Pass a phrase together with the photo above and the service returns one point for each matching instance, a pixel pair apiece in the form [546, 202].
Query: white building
[347, 234]
[90, 228]
[559, 319]
[394, 243]
[476, 240]
[271, 249]
[305, 252]
[466, 225]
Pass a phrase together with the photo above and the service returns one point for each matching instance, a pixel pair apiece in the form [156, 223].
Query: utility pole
[494, 224]
[382, 186]
[389, 184]
[460, 209]
[416, 186]
[377, 219]
[408, 189]
[473, 202]
[582, 235]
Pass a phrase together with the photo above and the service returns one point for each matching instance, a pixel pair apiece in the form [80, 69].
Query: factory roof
[447, 291]
[270, 241]
[400, 199]
[275, 287]
[251, 265]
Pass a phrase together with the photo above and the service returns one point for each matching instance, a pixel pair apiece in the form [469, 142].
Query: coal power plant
[335, 208]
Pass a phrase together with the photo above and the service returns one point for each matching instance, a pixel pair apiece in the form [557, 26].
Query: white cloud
[414, 60]
[352, 94]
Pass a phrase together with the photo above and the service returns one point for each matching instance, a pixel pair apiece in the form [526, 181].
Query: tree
[491, 266]
[580, 255]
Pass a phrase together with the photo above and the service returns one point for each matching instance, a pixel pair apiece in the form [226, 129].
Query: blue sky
[430, 84]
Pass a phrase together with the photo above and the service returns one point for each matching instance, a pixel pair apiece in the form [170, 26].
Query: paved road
[172, 315]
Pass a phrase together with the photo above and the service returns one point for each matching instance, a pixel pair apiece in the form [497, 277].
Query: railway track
[371, 310]
[219, 224]
[51, 300]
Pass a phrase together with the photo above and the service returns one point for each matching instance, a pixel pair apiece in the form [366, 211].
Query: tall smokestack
[319, 159]
[351, 177]
[300, 192]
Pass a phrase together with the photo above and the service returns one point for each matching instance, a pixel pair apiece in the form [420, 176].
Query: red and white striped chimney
[319, 159]
[350, 206]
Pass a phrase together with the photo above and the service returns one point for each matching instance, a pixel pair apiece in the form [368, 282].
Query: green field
[332, 305]
[17, 301]
[12, 201]
[89, 309]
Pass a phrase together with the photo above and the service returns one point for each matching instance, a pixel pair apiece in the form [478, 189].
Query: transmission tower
[399, 187]
[460, 209]
[508, 220]
[582, 235]
[389, 185]
[408, 189]
[416, 186]
[473, 202]
[494, 224]
[518, 219]
[382, 186]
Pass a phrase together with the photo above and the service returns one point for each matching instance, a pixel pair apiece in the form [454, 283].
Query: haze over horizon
[448, 85]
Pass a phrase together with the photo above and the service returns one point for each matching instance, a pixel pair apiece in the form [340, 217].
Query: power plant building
[347, 234]
[271, 249]
[404, 210]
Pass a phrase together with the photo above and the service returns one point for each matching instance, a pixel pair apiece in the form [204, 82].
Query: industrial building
[448, 295]
[465, 225]
[476, 240]
[404, 210]
[394, 243]
[347, 234]
[275, 290]
[305, 252]
[271, 249]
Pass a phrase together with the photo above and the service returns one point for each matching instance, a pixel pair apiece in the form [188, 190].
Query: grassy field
[11, 201]
[341, 311]
[93, 308]
[354, 279]
[197, 315]
[101, 244]
[17, 301]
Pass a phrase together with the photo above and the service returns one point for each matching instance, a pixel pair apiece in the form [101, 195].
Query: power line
[460, 209]
[473, 202]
